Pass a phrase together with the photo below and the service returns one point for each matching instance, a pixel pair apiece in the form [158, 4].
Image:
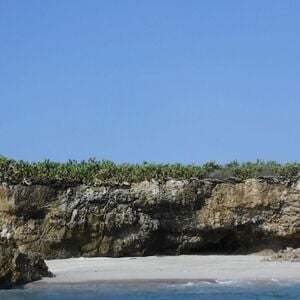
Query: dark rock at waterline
[17, 267]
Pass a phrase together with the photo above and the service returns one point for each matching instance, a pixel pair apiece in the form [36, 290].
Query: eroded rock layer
[133, 219]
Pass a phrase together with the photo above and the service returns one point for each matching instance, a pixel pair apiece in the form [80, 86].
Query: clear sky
[158, 81]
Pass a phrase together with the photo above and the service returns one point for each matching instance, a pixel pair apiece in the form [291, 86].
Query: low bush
[93, 171]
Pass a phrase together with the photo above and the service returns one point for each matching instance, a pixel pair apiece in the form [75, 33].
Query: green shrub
[93, 171]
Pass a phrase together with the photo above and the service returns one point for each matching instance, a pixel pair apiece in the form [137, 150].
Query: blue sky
[160, 81]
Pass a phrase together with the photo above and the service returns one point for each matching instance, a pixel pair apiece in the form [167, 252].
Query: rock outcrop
[289, 254]
[134, 219]
[17, 267]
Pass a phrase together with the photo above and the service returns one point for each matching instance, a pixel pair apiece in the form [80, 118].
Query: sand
[165, 268]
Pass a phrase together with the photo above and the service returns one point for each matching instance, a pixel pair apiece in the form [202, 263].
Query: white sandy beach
[183, 267]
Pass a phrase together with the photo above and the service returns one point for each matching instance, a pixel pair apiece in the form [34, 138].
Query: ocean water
[206, 290]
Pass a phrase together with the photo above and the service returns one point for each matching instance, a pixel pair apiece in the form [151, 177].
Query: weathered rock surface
[17, 267]
[134, 219]
[289, 254]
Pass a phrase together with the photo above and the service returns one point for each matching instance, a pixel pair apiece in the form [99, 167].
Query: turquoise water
[168, 290]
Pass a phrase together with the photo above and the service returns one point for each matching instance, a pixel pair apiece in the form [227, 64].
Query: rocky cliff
[151, 217]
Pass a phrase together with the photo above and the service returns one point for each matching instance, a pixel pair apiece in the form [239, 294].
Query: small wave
[190, 284]
[175, 285]
[257, 282]
[231, 282]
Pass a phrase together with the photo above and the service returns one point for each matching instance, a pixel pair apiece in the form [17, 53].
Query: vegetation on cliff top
[93, 171]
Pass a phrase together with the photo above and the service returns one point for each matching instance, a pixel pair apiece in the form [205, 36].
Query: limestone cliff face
[131, 219]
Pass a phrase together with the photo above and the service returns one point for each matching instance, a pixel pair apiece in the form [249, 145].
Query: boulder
[17, 267]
